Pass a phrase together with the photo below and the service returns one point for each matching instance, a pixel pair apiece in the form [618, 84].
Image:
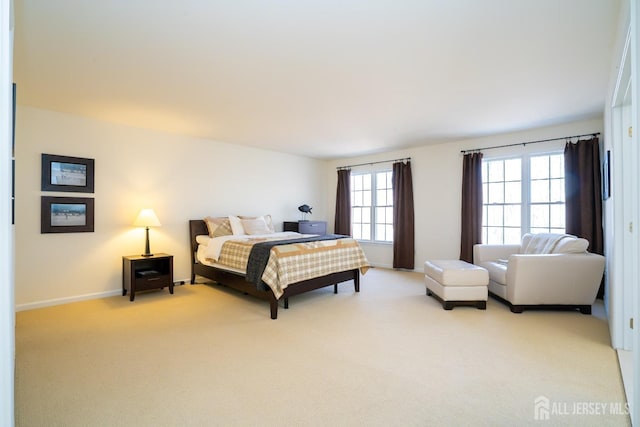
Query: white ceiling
[323, 78]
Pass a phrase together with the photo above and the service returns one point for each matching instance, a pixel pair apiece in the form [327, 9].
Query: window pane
[357, 182]
[496, 192]
[357, 198]
[557, 214]
[380, 215]
[366, 182]
[539, 230]
[512, 192]
[539, 191]
[540, 167]
[512, 216]
[512, 170]
[389, 215]
[495, 216]
[512, 236]
[496, 170]
[556, 190]
[366, 215]
[366, 233]
[556, 166]
[389, 233]
[495, 235]
[356, 230]
[540, 216]
[366, 198]
[381, 197]
[357, 215]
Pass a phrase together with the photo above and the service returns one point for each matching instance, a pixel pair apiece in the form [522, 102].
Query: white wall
[437, 184]
[182, 178]
[7, 313]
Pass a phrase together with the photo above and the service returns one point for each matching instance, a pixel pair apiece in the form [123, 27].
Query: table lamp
[147, 218]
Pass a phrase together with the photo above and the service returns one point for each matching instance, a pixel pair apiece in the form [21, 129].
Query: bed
[236, 278]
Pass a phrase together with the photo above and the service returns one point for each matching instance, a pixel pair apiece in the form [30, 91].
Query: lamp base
[147, 251]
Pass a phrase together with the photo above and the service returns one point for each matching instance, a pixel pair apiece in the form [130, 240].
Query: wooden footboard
[238, 282]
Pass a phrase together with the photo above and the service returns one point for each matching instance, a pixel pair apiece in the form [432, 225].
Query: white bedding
[211, 246]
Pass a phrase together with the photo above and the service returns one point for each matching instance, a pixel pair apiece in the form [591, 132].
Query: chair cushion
[497, 270]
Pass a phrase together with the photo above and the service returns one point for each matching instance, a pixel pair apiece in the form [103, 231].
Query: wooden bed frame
[237, 281]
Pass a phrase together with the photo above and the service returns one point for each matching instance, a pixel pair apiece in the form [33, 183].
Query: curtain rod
[530, 142]
[374, 163]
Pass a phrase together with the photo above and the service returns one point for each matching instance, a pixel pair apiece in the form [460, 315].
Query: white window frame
[374, 217]
[525, 203]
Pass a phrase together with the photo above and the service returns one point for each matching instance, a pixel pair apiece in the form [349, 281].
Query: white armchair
[544, 271]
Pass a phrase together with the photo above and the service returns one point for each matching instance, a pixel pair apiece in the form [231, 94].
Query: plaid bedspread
[295, 262]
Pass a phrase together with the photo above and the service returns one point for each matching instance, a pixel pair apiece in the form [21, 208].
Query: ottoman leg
[447, 305]
[481, 305]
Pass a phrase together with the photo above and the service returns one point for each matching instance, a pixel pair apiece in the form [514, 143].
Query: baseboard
[67, 300]
[76, 298]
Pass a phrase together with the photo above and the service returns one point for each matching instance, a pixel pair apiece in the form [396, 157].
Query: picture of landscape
[65, 214]
[68, 174]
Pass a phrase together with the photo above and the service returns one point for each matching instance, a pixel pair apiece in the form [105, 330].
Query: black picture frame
[13, 133]
[67, 174]
[606, 176]
[66, 214]
[13, 158]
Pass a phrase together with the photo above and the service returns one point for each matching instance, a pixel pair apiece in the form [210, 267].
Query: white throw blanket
[544, 243]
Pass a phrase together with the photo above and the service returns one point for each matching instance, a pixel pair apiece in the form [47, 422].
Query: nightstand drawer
[312, 227]
[153, 282]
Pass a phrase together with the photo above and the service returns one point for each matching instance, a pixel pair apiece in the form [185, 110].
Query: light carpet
[387, 356]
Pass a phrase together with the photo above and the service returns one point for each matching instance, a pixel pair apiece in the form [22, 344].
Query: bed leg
[356, 280]
[273, 303]
[335, 288]
[286, 303]
[193, 279]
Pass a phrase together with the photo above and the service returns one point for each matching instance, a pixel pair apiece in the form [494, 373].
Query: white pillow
[526, 239]
[236, 225]
[255, 226]
[267, 220]
[571, 246]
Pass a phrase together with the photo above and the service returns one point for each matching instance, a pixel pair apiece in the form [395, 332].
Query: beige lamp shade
[147, 218]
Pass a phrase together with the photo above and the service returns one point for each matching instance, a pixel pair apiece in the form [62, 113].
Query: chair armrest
[484, 253]
[554, 278]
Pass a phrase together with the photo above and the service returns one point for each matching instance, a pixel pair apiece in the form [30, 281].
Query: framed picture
[606, 176]
[64, 173]
[66, 214]
[13, 159]
[13, 133]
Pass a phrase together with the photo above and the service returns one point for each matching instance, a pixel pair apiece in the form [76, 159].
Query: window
[372, 206]
[522, 195]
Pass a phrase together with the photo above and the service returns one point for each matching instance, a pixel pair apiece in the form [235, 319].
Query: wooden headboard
[196, 227]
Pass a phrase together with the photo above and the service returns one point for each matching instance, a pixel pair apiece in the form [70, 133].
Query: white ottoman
[455, 282]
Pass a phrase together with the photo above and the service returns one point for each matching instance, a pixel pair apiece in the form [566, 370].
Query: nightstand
[306, 227]
[141, 273]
